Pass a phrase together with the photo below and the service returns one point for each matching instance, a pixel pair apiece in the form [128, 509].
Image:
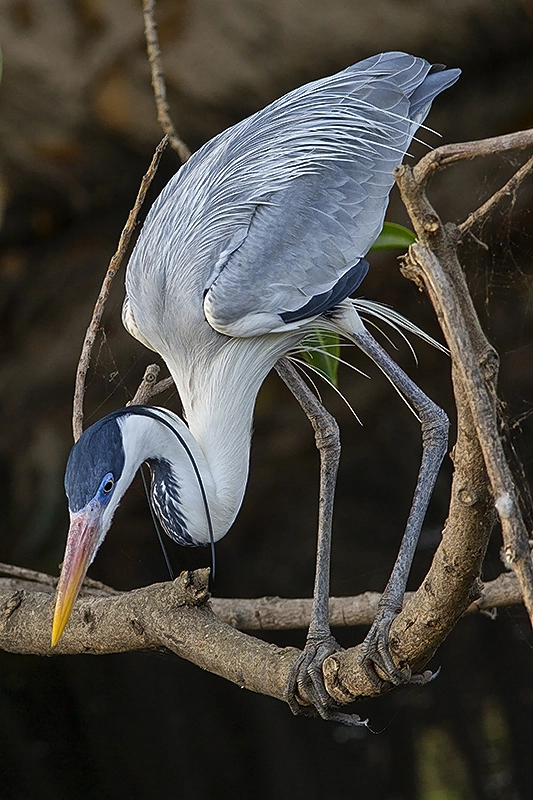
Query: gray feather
[278, 209]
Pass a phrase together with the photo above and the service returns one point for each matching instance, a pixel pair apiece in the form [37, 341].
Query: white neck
[218, 395]
[164, 437]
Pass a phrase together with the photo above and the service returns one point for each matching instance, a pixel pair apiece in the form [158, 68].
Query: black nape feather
[99, 450]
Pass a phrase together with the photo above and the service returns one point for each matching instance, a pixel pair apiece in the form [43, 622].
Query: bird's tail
[437, 80]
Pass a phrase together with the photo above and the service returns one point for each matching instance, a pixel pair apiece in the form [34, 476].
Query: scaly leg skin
[375, 651]
[306, 673]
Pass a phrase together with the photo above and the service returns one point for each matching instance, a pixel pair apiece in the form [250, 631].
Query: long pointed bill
[82, 544]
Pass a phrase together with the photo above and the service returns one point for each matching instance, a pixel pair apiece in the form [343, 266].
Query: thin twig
[42, 579]
[25, 574]
[146, 386]
[162, 386]
[163, 115]
[158, 81]
[450, 153]
[506, 191]
[114, 264]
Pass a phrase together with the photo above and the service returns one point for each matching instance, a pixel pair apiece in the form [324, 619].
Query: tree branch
[158, 82]
[279, 613]
[149, 387]
[506, 191]
[433, 260]
[267, 613]
[448, 154]
[178, 616]
[174, 616]
[114, 265]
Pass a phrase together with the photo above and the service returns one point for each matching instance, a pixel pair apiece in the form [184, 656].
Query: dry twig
[448, 154]
[149, 386]
[158, 82]
[146, 389]
[490, 205]
[114, 264]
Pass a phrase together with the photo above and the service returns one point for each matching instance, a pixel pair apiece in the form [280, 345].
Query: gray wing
[268, 223]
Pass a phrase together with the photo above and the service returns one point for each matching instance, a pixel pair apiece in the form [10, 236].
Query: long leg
[306, 672]
[435, 424]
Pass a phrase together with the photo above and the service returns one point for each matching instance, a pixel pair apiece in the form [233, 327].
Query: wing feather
[282, 207]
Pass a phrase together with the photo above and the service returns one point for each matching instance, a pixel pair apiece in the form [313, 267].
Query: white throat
[218, 393]
[164, 439]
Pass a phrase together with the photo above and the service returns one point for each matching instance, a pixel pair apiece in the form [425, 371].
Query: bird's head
[95, 481]
[100, 468]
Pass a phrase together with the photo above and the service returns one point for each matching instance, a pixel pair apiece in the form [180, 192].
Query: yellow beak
[82, 544]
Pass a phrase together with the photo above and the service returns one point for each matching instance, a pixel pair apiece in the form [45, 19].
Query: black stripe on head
[98, 451]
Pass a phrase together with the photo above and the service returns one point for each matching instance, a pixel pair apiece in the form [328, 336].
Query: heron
[259, 239]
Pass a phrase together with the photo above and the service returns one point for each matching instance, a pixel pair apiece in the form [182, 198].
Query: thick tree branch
[267, 613]
[434, 261]
[177, 617]
[173, 616]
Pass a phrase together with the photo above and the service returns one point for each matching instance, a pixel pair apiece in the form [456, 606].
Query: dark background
[78, 127]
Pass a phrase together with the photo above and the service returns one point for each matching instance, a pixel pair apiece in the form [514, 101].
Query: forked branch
[433, 260]
[145, 390]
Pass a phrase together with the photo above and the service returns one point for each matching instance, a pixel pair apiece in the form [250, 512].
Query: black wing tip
[321, 303]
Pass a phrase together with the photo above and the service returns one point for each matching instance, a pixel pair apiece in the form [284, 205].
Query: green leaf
[394, 237]
[325, 362]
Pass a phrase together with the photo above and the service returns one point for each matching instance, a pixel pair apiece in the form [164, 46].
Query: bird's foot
[375, 655]
[306, 678]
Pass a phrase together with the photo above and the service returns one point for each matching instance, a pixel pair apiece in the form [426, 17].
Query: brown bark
[179, 617]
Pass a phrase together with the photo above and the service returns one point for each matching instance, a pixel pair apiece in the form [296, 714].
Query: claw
[306, 677]
[375, 655]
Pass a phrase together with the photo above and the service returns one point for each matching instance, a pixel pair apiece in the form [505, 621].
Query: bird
[258, 240]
